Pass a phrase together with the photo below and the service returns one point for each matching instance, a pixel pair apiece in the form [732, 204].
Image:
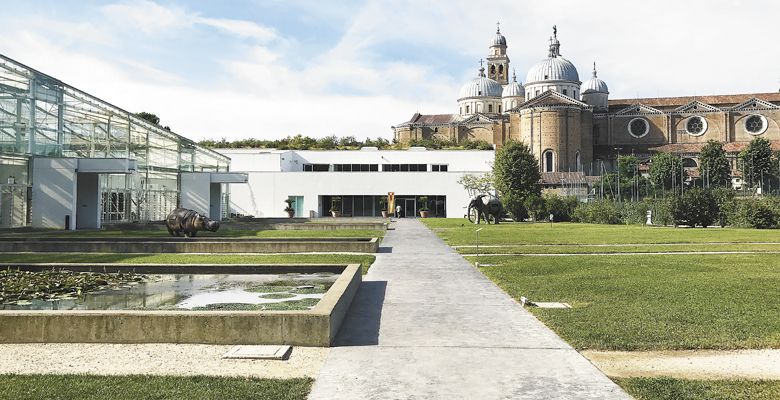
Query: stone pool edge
[316, 327]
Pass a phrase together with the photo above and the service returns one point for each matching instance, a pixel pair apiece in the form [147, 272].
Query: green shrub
[629, 213]
[598, 212]
[562, 208]
[759, 213]
[536, 207]
[696, 207]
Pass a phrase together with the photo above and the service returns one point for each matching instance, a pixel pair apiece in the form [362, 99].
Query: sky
[268, 69]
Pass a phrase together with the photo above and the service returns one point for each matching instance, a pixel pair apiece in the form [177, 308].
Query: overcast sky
[268, 69]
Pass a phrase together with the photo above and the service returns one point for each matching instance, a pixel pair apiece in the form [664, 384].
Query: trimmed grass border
[132, 387]
[364, 260]
[682, 389]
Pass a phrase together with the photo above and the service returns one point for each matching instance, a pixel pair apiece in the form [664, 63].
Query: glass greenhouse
[42, 117]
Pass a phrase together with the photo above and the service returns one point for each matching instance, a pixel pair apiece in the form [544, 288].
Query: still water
[188, 291]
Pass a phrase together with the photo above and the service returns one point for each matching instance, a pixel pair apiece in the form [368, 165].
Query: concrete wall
[317, 327]
[53, 192]
[292, 161]
[196, 191]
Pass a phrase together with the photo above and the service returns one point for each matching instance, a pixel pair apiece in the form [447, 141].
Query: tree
[328, 142]
[713, 165]
[516, 177]
[665, 170]
[756, 161]
[148, 117]
[476, 184]
[695, 207]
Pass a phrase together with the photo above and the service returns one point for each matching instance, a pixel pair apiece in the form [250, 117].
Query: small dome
[594, 84]
[480, 87]
[552, 69]
[513, 89]
[499, 39]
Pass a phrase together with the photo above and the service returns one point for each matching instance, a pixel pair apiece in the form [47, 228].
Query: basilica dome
[513, 89]
[555, 68]
[480, 87]
[594, 84]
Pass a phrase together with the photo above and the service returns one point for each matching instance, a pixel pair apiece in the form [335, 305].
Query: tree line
[707, 200]
[333, 142]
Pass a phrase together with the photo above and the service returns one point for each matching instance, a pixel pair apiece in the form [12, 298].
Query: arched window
[492, 70]
[689, 163]
[549, 161]
[577, 162]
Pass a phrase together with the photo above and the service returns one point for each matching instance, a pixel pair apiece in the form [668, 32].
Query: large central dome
[552, 69]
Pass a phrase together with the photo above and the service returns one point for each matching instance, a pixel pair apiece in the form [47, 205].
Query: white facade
[316, 177]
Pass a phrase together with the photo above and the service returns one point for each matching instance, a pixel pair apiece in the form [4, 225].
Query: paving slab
[426, 324]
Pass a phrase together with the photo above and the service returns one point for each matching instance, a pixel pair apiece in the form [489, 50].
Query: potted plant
[335, 207]
[424, 207]
[289, 209]
[383, 206]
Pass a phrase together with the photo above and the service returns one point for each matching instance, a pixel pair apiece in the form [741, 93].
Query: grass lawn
[653, 302]
[364, 260]
[458, 231]
[680, 389]
[359, 233]
[132, 387]
[645, 248]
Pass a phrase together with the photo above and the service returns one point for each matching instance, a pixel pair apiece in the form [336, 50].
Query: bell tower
[497, 60]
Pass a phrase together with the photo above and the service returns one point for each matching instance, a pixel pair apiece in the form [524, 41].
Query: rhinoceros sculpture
[189, 222]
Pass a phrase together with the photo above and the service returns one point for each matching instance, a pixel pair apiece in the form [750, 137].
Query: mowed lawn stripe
[651, 303]
[460, 232]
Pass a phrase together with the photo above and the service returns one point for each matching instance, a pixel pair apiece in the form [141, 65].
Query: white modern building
[353, 181]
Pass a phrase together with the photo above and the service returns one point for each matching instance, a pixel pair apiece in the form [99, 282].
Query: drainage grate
[259, 352]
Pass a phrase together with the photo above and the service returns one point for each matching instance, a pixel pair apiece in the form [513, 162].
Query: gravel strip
[689, 364]
[152, 359]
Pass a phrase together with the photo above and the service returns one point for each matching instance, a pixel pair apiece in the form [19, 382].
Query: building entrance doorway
[410, 208]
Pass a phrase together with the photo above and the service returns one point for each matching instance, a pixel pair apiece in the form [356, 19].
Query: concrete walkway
[427, 325]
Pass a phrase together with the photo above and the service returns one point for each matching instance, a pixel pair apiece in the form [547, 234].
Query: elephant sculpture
[189, 222]
[485, 206]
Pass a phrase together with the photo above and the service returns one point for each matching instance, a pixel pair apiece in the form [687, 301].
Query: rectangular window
[564, 92]
[364, 167]
[374, 167]
[321, 167]
[422, 167]
[307, 167]
[439, 167]
[404, 167]
[338, 167]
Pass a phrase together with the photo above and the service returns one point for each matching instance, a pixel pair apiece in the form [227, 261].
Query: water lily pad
[277, 296]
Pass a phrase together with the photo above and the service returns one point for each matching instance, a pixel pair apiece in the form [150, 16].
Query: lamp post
[617, 149]
[476, 240]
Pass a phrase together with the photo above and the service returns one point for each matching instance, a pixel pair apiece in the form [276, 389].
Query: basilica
[573, 126]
